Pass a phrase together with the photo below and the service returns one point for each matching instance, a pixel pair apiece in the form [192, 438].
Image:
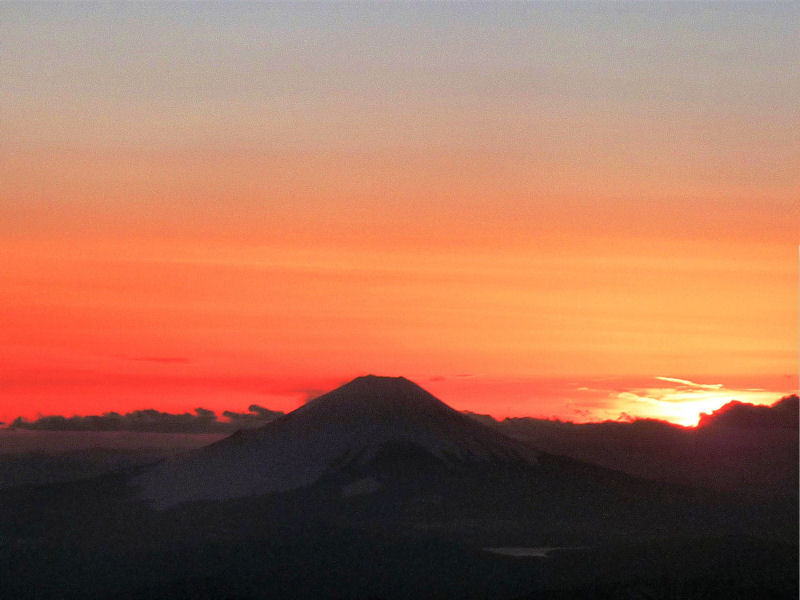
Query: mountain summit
[368, 420]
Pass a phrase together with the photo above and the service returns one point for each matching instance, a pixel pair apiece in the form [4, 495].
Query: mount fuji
[354, 433]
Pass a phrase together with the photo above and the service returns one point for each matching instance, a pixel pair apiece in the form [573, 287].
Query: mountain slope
[365, 422]
[388, 493]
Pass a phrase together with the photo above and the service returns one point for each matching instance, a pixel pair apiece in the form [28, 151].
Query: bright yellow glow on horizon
[683, 406]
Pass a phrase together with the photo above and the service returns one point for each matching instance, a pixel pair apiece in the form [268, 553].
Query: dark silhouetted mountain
[369, 422]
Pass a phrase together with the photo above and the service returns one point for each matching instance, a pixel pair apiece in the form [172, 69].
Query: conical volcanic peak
[355, 422]
[373, 397]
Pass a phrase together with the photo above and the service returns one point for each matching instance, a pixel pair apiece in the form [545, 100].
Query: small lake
[538, 552]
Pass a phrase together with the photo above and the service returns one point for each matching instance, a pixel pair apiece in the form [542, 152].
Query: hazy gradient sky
[527, 208]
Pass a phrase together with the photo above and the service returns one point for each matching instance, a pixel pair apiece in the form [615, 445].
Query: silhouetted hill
[740, 447]
[40, 468]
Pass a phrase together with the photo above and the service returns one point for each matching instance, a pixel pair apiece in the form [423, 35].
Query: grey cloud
[782, 414]
[311, 394]
[151, 420]
[257, 415]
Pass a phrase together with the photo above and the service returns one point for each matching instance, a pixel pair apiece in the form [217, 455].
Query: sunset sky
[583, 211]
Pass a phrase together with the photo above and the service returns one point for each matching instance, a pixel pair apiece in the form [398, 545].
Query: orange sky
[527, 211]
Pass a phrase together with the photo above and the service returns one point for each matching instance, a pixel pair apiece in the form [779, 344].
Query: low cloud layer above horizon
[155, 421]
[734, 413]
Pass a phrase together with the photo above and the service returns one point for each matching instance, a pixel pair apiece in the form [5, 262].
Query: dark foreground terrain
[379, 490]
[421, 537]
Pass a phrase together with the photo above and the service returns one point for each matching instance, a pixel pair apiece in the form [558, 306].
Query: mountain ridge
[364, 420]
